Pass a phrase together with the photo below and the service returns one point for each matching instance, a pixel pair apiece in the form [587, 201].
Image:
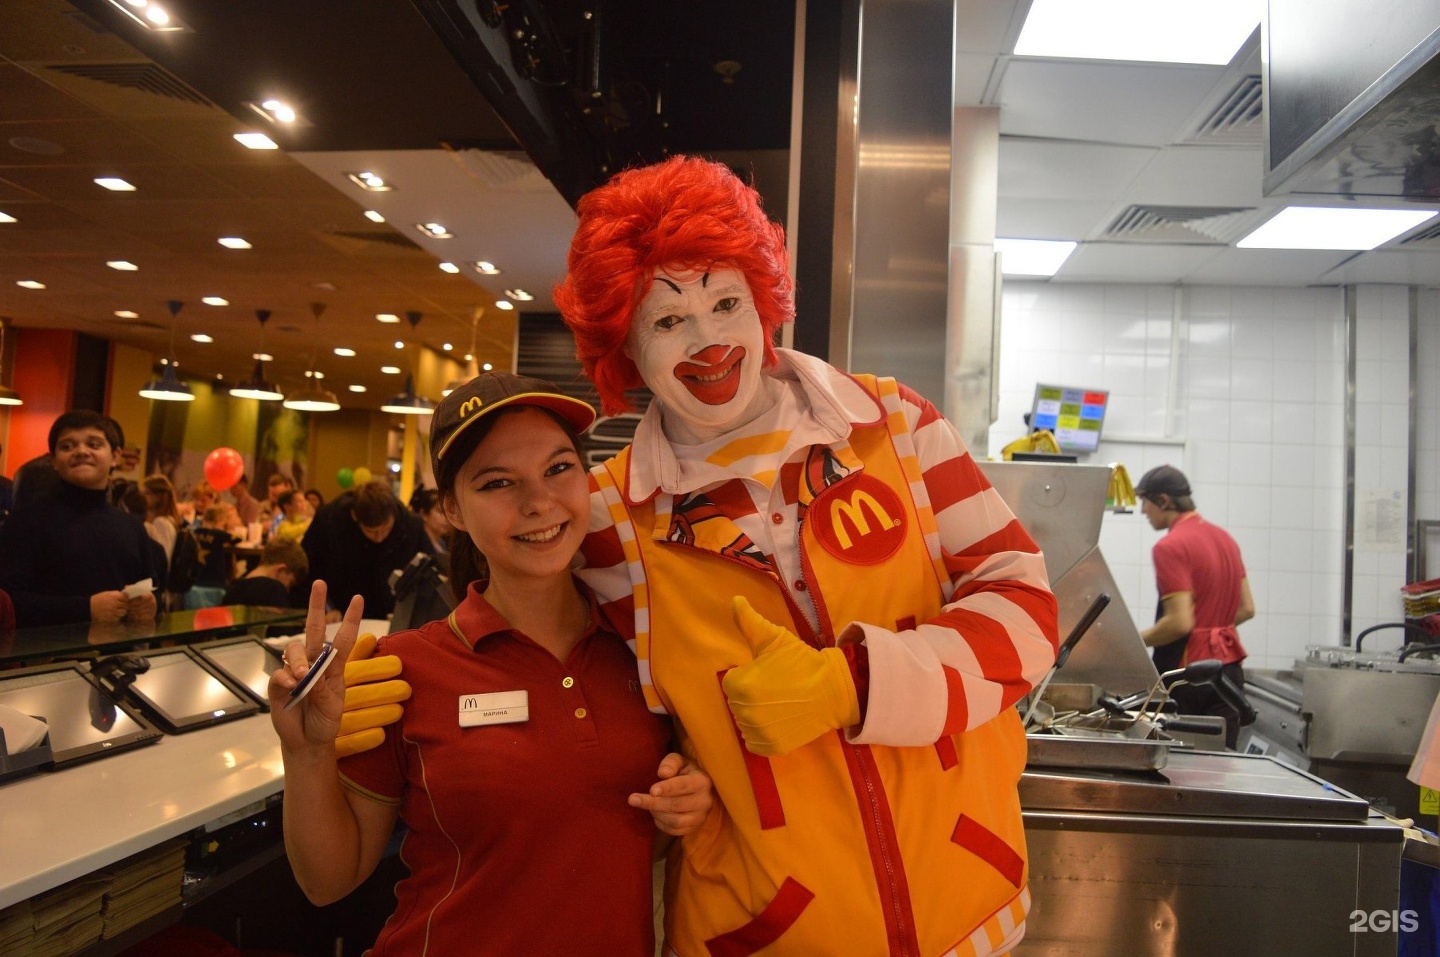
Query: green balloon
[345, 477]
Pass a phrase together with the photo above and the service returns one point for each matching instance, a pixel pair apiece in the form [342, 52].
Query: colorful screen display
[1074, 415]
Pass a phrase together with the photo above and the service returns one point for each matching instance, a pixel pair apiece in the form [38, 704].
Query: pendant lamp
[407, 402]
[312, 396]
[256, 387]
[8, 396]
[472, 362]
[167, 387]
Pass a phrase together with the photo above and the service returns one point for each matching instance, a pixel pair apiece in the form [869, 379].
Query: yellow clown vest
[833, 848]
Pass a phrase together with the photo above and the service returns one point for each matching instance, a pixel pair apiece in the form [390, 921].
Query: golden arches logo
[472, 404]
[855, 510]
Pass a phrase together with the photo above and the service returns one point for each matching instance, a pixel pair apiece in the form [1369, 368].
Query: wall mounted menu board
[248, 661]
[180, 693]
[84, 722]
[1074, 415]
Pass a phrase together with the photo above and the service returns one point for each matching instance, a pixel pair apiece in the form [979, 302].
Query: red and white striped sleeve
[605, 569]
[997, 634]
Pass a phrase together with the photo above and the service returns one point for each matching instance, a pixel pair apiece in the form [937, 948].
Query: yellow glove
[372, 700]
[791, 693]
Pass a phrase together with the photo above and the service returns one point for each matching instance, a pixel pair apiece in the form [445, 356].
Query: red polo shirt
[1203, 559]
[520, 840]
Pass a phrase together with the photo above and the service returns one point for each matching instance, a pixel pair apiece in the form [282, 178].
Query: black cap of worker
[491, 391]
[1163, 480]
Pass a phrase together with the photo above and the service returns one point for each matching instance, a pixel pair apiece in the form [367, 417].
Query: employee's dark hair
[374, 503]
[424, 500]
[86, 419]
[467, 564]
[287, 552]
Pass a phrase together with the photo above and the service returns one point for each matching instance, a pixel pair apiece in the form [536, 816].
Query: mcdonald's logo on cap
[472, 404]
[860, 521]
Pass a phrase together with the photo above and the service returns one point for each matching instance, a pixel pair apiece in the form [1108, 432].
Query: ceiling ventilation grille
[1201, 225]
[1236, 119]
[1429, 236]
[145, 77]
[378, 236]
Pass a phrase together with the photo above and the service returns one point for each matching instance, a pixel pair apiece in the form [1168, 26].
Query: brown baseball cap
[1163, 480]
[471, 402]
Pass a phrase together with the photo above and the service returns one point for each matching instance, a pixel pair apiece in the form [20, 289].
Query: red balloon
[223, 468]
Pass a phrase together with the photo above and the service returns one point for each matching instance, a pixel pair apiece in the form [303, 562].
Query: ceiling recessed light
[1322, 227]
[201, 337]
[390, 370]
[278, 110]
[7, 218]
[1032, 257]
[519, 295]
[114, 184]
[357, 388]
[150, 15]
[449, 267]
[369, 182]
[435, 230]
[399, 344]
[126, 314]
[387, 317]
[486, 367]
[502, 304]
[373, 216]
[30, 284]
[469, 357]
[447, 346]
[256, 141]
[1139, 30]
[342, 351]
[215, 301]
[123, 265]
[486, 268]
[262, 357]
[319, 374]
[233, 242]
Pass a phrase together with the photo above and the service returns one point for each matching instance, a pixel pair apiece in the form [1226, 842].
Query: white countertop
[60, 825]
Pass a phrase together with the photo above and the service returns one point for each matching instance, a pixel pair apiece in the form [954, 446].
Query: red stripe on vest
[777, 917]
[986, 845]
[945, 748]
[957, 708]
[762, 776]
[884, 846]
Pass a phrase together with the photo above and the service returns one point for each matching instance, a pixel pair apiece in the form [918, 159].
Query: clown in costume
[821, 589]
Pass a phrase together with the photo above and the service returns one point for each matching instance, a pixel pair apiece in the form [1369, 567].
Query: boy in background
[282, 563]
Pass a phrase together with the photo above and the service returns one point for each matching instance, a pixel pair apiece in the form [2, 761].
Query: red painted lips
[714, 376]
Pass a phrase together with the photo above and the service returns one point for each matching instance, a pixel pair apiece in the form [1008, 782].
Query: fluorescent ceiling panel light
[1325, 227]
[390, 370]
[486, 268]
[7, 218]
[1151, 31]
[342, 351]
[126, 314]
[201, 337]
[369, 182]
[1032, 257]
[256, 141]
[506, 306]
[387, 317]
[233, 242]
[29, 284]
[115, 184]
[449, 267]
[122, 265]
[215, 301]
[373, 216]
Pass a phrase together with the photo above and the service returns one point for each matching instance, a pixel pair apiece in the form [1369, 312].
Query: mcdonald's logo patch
[472, 404]
[860, 521]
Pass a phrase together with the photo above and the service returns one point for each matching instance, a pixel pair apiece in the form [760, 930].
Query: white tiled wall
[1256, 420]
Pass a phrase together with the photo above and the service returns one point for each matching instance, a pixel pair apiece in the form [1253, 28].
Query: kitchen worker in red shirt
[1204, 594]
[821, 587]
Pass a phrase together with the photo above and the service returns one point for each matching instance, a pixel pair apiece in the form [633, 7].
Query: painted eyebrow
[670, 284]
[704, 280]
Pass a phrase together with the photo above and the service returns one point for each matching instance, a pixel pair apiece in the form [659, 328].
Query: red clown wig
[686, 213]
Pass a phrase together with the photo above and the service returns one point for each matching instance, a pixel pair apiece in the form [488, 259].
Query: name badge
[497, 707]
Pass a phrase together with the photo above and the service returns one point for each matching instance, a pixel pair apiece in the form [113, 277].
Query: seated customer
[66, 556]
[216, 558]
[282, 564]
[294, 516]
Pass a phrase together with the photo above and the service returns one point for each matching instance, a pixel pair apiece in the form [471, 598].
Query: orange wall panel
[44, 375]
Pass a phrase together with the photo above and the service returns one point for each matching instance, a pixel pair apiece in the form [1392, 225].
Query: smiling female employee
[518, 760]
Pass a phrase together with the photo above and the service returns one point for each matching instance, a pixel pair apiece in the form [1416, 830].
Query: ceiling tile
[1133, 262]
[1269, 267]
[1045, 169]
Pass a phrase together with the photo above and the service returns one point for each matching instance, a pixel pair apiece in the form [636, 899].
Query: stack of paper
[142, 886]
[67, 919]
[17, 929]
[1421, 599]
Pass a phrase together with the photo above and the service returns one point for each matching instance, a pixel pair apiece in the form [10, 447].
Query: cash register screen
[185, 695]
[247, 661]
[83, 722]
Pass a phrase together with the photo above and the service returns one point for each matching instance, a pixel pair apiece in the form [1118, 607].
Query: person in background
[246, 504]
[426, 503]
[527, 834]
[313, 496]
[162, 518]
[294, 516]
[202, 496]
[277, 486]
[67, 555]
[357, 540]
[282, 563]
[216, 558]
[1204, 594]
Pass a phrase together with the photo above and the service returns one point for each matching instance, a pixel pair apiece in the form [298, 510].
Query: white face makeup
[698, 343]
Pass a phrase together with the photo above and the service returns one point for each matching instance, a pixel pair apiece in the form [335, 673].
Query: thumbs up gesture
[791, 693]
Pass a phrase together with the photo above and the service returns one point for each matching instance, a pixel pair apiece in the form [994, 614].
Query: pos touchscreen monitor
[1075, 416]
[249, 662]
[181, 693]
[84, 721]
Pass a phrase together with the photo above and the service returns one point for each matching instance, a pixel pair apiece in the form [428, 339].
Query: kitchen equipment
[1063, 655]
